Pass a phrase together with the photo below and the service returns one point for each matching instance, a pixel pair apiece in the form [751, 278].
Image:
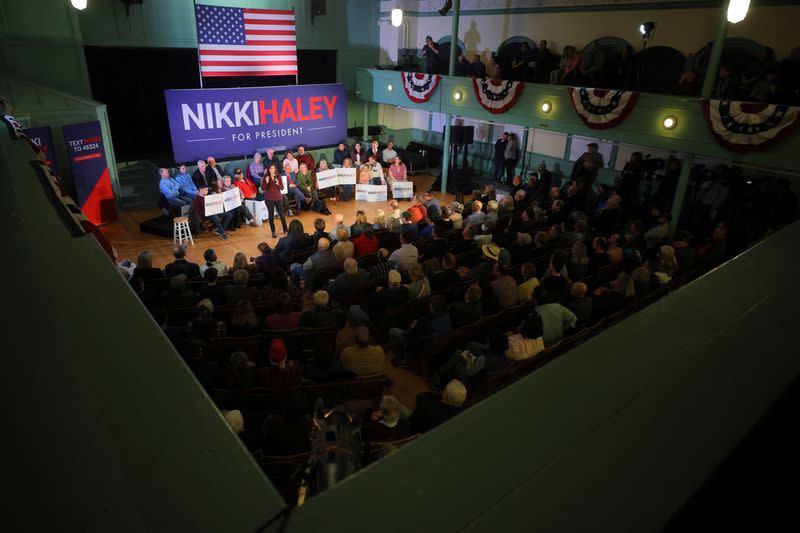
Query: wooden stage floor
[124, 234]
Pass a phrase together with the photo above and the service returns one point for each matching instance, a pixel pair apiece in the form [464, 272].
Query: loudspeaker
[461, 135]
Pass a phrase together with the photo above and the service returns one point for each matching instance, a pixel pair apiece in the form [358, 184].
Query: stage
[124, 233]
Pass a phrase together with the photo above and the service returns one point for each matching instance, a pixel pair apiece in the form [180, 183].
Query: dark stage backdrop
[131, 82]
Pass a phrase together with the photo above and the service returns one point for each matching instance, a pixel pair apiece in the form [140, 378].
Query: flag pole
[196, 29]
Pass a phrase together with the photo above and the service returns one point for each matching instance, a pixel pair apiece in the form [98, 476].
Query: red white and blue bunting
[601, 108]
[748, 126]
[420, 87]
[497, 96]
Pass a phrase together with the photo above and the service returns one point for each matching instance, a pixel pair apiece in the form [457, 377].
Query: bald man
[352, 277]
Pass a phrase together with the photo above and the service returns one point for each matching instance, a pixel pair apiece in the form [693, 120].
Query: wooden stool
[180, 231]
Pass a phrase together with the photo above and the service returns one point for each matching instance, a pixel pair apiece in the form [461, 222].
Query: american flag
[246, 42]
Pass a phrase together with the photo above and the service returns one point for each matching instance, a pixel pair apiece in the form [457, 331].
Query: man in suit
[213, 173]
[212, 291]
[374, 151]
[181, 265]
[239, 290]
[199, 175]
[478, 68]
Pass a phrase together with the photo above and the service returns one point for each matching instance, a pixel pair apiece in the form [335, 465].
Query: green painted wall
[40, 41]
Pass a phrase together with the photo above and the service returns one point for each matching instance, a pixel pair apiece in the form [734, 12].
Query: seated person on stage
[364, 175]
[323, 166]
[213, 172]
[293, 190]
[341, 153]
[374, 151]
[357, 155]
[199, 175]
[257, 169]
[305, 182]
[220, 224]
[303, 157]
[228, 185]
[397, 171]
[346, 191]
[171, 190]
[248, 187]
[290, 164]
[376, 168]
[388, 154]
[188, 188]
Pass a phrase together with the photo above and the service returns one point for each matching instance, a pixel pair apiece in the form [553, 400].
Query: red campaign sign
[90, 171]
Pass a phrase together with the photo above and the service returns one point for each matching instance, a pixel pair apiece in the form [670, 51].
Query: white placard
[548, 143]
[232, 199]
[371, 193]
[214, 204]
[402, 189]
[285, 180]
[347, 176]
[327, 178]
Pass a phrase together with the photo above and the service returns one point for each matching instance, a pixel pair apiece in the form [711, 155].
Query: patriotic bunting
[600, 108]
[420, 87]
[497, 96]
[746, 126]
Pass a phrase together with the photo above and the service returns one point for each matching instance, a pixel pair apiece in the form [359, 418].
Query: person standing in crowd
[510, 156]
[304, 157]
[187, 186]
[499, 155]
[257, 169]
[171, 190]
[544, 62]
[431, 54]
[272, 186]
[478, 68]
[588, 164]
[340, 154]
[462, 66]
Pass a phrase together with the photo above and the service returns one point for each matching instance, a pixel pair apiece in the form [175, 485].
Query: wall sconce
[457, 96]
[79, 4]
[670, 122]
[389, 88]
[546, 107]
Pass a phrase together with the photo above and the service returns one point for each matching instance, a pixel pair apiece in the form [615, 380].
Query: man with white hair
[322, 315]
[344, 283]
[199, 175]
[432, 409]
[213, 173]
[322, 259]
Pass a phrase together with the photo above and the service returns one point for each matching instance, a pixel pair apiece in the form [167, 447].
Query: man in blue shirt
[171, 190]
[187, 186]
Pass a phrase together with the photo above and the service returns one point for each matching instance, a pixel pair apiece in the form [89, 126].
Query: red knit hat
[277, 352]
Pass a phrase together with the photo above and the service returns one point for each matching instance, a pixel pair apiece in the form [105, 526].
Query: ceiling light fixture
[457, 96]
[670, 122]
[397, 17]
[737, 10]
[79, 4]
[546, 107]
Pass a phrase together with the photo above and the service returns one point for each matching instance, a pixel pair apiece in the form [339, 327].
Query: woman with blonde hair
[419, 286]
[578, 263]
[364, 174]
[239, 263]
[379, 222]
[455, 215]
[343, 249]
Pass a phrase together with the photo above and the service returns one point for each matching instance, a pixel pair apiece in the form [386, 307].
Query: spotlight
[397, 17]
[457, 96]
[737, 10]
[446, 7]
[670, 122]
[79, 4]
[546, 107]
[646, 29]
[389, 87]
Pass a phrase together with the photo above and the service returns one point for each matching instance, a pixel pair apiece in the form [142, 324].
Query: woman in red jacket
[272, 186]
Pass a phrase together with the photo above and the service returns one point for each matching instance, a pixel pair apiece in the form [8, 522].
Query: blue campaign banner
[235, 122]
[89, 168]
[43, 138]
